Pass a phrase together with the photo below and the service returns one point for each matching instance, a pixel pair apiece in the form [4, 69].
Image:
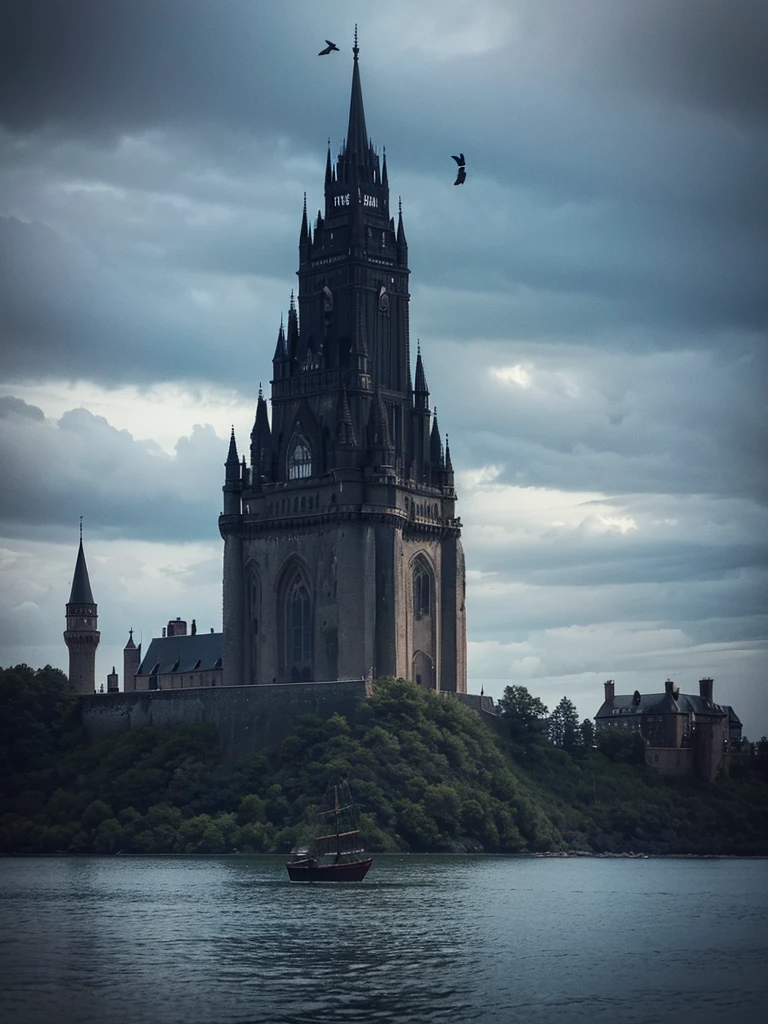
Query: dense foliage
[426, 772]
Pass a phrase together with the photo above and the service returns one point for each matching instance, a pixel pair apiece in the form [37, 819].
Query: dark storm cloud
[708, 55]
[52, 470]
[85, 66]
[554, 415]
[148, 133]
[66, 315]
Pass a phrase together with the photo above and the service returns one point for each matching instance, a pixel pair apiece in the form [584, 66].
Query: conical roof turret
[81, 592]
[435, 445]
[292, 340]
[328, 166]
[232, 456]
[448, 463]
[401, 239]
[304, 235]
[261, 432]
[280, 352]
[261, 437]
[420, 390]
[421, 378]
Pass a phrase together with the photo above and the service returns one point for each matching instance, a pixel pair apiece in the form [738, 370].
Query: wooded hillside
[427, 775]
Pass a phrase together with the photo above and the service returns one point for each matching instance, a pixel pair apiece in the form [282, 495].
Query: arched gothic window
[300, 460]
[253, 612]
[422, 590]
[298, 629]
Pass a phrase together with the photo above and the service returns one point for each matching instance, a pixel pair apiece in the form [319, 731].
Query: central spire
[357, 135]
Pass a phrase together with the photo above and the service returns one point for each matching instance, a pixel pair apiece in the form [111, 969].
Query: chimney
[609, 691]
[177, 627]
[163, 632]
[671, 688]
[706, 688]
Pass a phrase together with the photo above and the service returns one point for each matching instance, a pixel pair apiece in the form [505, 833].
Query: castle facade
[685, 734]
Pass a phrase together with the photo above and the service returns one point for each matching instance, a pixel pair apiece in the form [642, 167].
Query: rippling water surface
[155, 940]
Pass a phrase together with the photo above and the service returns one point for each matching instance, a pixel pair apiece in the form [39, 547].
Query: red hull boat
[341, 844]
[311, 870]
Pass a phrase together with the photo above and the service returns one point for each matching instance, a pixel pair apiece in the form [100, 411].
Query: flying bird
[329, 47]
[461, 177]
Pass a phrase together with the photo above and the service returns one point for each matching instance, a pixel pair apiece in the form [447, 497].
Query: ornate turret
[261, 443]
[82, 635]
[233, 483]
[402, 242]
[436, 449]
[420, 390]
[280, 357]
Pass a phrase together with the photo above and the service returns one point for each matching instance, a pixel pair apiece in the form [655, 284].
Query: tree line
[427, 775]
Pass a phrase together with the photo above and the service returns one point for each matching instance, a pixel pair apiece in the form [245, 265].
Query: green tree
[524, 713]
[563, 728]
[587, 733]
[35, 710]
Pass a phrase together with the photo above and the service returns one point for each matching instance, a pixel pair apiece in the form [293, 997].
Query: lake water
[150, 940]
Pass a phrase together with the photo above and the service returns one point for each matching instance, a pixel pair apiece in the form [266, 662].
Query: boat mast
[336, 815]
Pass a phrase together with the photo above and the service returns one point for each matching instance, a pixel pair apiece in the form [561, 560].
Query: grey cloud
[165, 146]
[10, 406]
[130, 488]
[709, 55]
[615, 422]
[66, 315]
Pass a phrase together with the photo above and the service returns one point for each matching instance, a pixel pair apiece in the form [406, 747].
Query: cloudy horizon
[591, 308]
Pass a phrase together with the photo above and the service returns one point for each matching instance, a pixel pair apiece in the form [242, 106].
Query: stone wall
[670, 760]
[248, 718]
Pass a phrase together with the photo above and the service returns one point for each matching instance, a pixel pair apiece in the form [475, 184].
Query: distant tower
[81, 635]
[131, 662]
[113, 685]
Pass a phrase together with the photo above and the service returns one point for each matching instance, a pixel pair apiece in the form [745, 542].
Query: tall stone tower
[342, 550]
[82, 635]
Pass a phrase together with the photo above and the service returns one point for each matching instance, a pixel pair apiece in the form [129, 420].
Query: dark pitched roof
[198, 653]
[659, 704]
[81, 586]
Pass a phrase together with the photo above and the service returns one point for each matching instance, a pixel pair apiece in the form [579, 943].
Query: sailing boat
[339, 846]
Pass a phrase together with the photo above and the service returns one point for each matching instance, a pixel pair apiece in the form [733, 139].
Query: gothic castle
[342, 551]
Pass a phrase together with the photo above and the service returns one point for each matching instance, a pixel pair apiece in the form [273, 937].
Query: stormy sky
[592, 309]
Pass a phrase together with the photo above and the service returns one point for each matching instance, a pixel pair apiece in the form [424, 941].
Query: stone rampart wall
[670, 760]
[248, 718]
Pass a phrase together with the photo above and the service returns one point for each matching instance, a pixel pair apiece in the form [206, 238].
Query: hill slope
[426, 772]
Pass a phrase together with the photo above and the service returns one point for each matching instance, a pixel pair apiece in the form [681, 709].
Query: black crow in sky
[461, 177]
[329, 47]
